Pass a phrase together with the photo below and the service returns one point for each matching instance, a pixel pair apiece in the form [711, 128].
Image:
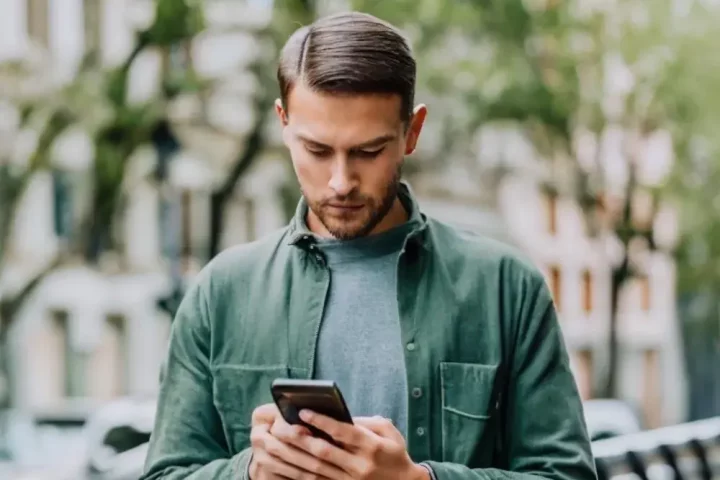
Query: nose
[342, 181]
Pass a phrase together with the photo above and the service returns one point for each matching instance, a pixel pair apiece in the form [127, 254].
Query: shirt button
[417, 392]
[420, 431]
[411, 347]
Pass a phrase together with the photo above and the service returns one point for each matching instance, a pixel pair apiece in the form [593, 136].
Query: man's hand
[372, 448]
[272, 459]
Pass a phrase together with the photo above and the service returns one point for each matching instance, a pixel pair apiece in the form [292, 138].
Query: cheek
[383, 168]
[310, 173]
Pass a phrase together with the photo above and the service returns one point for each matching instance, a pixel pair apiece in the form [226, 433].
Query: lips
[346, 207]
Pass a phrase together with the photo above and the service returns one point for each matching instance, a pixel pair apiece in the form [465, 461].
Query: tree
[96, 101]
[548, 67]
[287, 16]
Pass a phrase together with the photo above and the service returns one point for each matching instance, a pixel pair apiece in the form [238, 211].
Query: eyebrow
[375, 142]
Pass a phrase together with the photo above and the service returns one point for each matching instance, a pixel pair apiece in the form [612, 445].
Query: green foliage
[175, 22]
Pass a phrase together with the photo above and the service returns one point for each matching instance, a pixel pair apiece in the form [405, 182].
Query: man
[446, 347]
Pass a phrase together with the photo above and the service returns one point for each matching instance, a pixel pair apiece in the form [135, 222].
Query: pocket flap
[467, 389]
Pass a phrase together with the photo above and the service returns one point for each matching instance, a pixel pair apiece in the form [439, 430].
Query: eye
[369, 153]
[320, 153]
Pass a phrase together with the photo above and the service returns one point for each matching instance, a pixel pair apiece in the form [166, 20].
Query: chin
[345, 233]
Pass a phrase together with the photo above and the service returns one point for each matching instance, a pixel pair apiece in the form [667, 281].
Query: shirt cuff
[430, 470]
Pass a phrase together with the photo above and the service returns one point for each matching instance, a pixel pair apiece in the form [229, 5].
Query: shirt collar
[299, 234]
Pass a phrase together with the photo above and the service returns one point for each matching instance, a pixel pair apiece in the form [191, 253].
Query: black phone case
[336, 408]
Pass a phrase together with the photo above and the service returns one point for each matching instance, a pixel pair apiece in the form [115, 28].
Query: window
[587, 291]
[62, 204]
[186, 204]
[38, 22]
[48, 369]
[645, 297]
[555, 284]
[584, 372]
[75, 362]
[651, 388]
[108, 367]
[170, 217]
[551, 201]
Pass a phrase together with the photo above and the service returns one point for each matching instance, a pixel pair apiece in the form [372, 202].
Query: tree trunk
[5, 376]
[219, 199]
[217, 210]
[620, 276]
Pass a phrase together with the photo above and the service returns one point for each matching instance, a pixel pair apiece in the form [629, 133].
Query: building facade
[88, 335]
[92, 334]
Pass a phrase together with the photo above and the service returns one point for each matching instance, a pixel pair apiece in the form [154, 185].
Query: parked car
[112, 435]
[607, 418]
[38, 447]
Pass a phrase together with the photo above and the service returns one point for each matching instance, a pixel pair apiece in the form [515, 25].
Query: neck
[397, 215]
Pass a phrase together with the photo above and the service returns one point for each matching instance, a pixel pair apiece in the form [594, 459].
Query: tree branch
[10, 306]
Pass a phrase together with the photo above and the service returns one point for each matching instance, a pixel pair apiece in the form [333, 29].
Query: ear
[414, 129]
[280, 111]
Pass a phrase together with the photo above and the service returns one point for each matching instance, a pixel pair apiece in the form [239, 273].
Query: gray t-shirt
[360, 346]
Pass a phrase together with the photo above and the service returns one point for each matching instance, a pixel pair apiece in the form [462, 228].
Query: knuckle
[365, 470]
[374, 448]
[315, 467]
[321, 450]
[275, 429]
[256, 437]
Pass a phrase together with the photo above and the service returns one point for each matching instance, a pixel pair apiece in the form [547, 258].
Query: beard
[360, 222]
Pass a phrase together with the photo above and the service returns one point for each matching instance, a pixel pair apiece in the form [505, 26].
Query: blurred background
[137, 140]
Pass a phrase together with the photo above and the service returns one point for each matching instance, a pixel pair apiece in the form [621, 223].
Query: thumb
[265, 414]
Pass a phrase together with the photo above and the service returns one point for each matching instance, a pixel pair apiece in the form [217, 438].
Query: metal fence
[679, 452]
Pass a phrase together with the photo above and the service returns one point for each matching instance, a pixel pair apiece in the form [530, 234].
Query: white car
[607, 418]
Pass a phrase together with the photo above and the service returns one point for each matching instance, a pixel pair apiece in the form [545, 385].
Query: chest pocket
[237, 391]
[468, 407]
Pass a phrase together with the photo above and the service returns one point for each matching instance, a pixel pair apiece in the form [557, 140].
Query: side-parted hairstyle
[349, 53]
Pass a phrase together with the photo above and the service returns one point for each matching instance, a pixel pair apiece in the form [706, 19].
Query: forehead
[340, 119]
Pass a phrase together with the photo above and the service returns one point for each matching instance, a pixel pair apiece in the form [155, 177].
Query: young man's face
[347, 152]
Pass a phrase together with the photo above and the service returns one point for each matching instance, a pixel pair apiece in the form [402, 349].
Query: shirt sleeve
[188, 440]
[544, 427]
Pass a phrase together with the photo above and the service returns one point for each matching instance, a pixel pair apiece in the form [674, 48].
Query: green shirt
[482, 346]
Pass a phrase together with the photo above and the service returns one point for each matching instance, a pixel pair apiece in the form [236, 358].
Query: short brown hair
[349, 53]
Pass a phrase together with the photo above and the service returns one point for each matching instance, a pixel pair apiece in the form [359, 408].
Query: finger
[299, 459]
[281, 429]
[273, 468]
[265, 414]
[380, 426]
[325, 451]
[344, 433]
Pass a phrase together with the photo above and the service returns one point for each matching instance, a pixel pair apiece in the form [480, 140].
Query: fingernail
[305, 415]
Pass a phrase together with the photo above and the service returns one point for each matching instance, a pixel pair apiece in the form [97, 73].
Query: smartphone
[320, 396]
